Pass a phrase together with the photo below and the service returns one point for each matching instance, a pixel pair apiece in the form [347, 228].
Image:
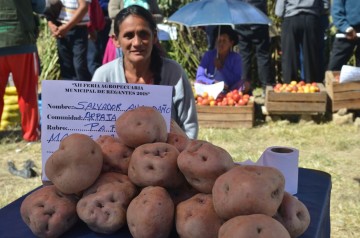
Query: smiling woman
[142, 63]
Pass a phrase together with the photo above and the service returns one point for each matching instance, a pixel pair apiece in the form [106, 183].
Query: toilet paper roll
[285, 159]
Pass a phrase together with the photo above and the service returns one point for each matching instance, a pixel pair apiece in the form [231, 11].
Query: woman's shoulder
[170, 64]
[106, 72]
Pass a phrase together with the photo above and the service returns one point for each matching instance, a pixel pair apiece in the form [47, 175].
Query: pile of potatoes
[159, 183]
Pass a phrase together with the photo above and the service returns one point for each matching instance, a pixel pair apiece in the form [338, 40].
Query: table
[314, 191]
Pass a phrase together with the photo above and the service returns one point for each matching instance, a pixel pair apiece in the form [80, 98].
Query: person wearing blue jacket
[221, 63]
[18, 56]
[346, 18]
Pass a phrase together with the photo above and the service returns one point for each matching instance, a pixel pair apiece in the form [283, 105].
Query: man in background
[256, 39]
[71, 33]
[18, 55]
[346, 17]
[300, 28]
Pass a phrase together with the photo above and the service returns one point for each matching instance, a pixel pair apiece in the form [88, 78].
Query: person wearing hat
[221, 63]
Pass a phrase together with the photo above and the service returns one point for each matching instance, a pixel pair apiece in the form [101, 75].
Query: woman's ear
[115, 41]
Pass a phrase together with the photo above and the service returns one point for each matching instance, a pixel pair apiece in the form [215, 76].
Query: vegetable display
[157, 183]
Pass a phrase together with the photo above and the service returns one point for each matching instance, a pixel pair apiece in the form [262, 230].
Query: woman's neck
[138, 73]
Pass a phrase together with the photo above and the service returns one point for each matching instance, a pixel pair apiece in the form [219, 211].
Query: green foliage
[188, 49]
[50, 68]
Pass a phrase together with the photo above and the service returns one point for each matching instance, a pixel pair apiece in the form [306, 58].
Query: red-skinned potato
[176, 129]
[103, 205]
[78, 155]
[151, 213]
[116, 154]
[49, 213]
[248, 189]
[155, 164]
[177, 140]
[254, 226]
[294, 215]
[196, 217]
[128, 189]
[202, 162]
[140, 126]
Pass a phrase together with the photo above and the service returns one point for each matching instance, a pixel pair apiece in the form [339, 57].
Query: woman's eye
[144, 34]
[128, 35]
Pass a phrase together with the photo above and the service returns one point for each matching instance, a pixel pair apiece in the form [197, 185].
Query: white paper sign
[92, 108]
[212, 89]
[349, 74]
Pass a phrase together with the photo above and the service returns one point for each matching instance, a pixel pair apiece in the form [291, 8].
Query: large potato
[196, 217]
[254, 226]
[127, 189]
[202, 162]
[248, 189]
[294, 215]
[49, 213]
[103, 205]
[116, 154]
[155, 164]
[140, 126]
[75, 165]
[151, 214]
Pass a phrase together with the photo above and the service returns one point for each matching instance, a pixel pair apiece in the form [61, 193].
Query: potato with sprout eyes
[140, 126]
[48, 212]
[202, 162]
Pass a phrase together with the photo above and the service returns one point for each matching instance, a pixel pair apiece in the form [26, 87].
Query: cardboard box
[342, 95]
[286, 103]
[226, 116]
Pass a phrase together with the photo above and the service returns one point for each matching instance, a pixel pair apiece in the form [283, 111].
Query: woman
[136, 33]
[221, 63]
[114, 7]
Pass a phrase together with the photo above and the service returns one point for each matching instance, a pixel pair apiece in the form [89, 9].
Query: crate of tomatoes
[296, 98]
[232, 109]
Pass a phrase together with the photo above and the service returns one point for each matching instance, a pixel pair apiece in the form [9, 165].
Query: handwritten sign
[92, 108]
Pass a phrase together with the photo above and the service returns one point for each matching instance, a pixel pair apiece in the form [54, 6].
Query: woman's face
[224, 44]
[136, 39]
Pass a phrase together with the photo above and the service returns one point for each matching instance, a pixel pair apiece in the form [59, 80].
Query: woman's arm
[114, 7]
[205, 65]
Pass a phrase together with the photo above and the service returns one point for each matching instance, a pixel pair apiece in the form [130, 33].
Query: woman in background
[221, 63]
[141, 63]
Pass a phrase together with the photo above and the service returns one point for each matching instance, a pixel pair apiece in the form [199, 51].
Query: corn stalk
[47, 48]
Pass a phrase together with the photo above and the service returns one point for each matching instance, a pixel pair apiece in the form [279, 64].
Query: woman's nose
[137, 41]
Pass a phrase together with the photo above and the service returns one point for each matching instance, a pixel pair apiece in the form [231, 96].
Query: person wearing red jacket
[18, 56]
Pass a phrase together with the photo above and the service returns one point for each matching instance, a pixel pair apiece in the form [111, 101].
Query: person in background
[346, 18]
[71, 33]
[136, 33]
[300, 29]
[111, 52]
[96, 26]
[18, 55]
[221, 63]
[255, 39]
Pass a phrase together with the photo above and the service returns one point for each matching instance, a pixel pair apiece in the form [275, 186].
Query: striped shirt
[68, 10]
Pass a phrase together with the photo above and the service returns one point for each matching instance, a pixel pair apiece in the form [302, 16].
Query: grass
[328, 147]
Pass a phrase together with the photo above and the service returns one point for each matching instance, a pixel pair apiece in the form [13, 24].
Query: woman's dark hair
[156, 60]
[226, 29]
